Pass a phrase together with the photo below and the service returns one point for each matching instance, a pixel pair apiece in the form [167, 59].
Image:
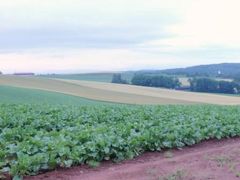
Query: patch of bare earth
[212, 159]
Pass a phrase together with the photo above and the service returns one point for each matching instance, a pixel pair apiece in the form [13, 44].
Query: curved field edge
[17, 95]
[159, 95]
[108, 92]
[34, 138]
[211, 159]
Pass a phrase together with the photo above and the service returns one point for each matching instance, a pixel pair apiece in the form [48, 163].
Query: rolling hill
[224, 70]
[117, 93]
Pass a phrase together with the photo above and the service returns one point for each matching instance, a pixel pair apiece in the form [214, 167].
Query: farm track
[216, 160]
[116, 92]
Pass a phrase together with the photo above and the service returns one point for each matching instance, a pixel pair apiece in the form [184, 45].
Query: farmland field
[35, 138]
[117, 93]
[98, 77]
[25, 96]
[50, 123]
[184, 80]
[107, 77]
[212, 159]
[119, 90]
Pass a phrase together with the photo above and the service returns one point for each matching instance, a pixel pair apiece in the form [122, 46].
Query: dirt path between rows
[212, 159]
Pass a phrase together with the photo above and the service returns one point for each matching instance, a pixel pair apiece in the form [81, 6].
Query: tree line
[214, 86]
[150, 80]
[202, 84]
[156, 81]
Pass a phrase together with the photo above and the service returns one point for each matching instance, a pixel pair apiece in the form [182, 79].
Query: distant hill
[224, 70]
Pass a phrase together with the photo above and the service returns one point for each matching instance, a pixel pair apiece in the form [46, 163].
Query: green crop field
[26, 96]
[116, 93]
[98, 77]
[36, 138]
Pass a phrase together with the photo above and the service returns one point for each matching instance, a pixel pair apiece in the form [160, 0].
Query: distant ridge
[224, 70]
[24, 74]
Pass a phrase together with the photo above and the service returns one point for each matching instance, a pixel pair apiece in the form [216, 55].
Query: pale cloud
[75, 13]
[82, 24]
[205, 24]
[104, 35]
[84, 60]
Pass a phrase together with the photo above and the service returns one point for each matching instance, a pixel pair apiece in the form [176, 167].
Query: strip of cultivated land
[17, 95]
[117, 92]
[36, 138]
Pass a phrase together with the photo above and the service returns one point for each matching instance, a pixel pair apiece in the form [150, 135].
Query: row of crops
[34, 139]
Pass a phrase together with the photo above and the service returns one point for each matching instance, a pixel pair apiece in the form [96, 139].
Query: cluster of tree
[117, 78]
[151, 80]
[214, 86]
[197, 84]
[237, 79]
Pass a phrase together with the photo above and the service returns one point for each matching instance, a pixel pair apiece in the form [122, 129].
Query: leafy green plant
[36, 138]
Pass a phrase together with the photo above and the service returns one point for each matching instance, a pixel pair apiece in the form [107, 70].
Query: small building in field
[24, 74]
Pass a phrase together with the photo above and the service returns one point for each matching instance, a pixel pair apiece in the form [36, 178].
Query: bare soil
[216, 160]
[118, 93]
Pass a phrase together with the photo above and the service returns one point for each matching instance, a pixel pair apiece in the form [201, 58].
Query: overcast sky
[104, 35]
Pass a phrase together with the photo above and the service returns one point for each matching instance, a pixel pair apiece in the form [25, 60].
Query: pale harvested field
[185, 82]
[116, 92]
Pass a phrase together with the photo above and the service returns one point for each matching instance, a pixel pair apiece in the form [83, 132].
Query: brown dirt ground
[117, 93]
[215, 160]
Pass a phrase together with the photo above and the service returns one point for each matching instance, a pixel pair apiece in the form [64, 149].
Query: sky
[78, 36]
